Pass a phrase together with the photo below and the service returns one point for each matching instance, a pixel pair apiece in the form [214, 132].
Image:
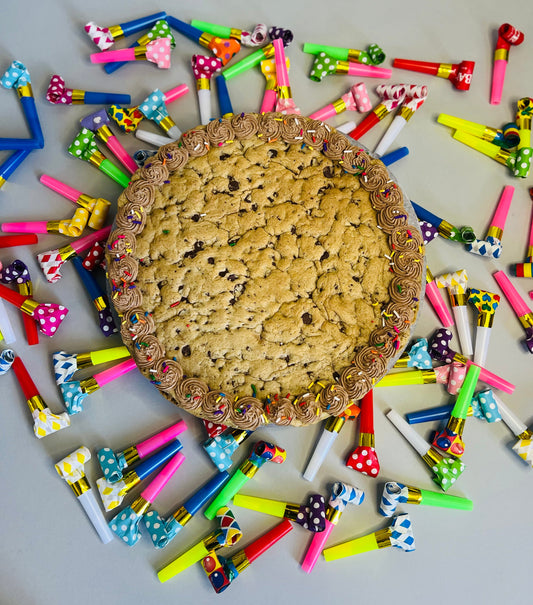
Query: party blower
[446, 470]
[391, 96]
[71, 228]
[74, 391]
[395, 493]
[524, 109]
[84, 148]
[222, 572]
[261, 452]
[332, 428]
[491, 246]
[157, 52]
[257, 37]
[311, 516]
[250, 61]
[459, 74]
[486, 133]
[450, 439]
[464, 235]
[524, 446]
[451, 376]
[456, 284]
[112, 494]
[356, 99]
[364, 458]
[507, 36]
[52, 260]
[154, 108]
[268, 69]
[285, 103]
[67, 364]
[113, 463]
[9, 165]
[125, 524]
[415, 97]
[98, 208]
[525, 269]
[417, 356]
[326, 65]
[72, 470]
[48, 316]
[486, 304]
[228, 533]
[44, 421]
[522, 311]
[502, 156]
[220, 448]
[374, 55]
[436, 300]
[341, 495]
[162, 531]
[224, 100]
[105, 37]
[59, 94]
[203, 69]
[399, 534]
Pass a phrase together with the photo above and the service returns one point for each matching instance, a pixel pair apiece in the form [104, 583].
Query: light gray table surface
[49, 552]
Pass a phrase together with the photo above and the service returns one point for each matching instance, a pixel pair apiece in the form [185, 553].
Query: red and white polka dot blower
[364, 457]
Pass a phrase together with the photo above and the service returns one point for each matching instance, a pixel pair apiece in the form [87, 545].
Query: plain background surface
[49, 552]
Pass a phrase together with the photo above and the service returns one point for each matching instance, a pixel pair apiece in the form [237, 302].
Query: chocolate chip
[272, 153]
[223, 273]
[224, 156]
[254, 207]
[211, 260]
[328, 172]
[195, 217]
[293, 229]
[233, 184]
[186, 351]
[233, 277]
[325, 255]
[307, 319]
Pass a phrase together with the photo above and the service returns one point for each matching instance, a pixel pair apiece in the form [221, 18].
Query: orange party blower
[459, 74]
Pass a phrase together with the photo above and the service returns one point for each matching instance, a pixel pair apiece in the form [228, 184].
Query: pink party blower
[157, 51]
[285, 103]
[507, 36]
[356, 99]
[523, 312]
[436, 300]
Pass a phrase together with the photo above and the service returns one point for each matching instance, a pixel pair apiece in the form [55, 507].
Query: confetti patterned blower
[67, 364]
[459, 74]
[222, 572]
[507, 36]
[455, 283]
[399, 534]
[285, 103]
[44, 421]
[486, 304]
[356, 99]
[204, 68]
[311, 516]
[261, 452]
[364, 458]
[526, 269]
[341, 495]
[74, 392]
[464, 235]
[326, 65]
[491, 246]
[227, 534]
[157, 51]
[72, 470]
[112, 494]
[220, 448]
[522, 311]
[59, 94]
[524, 446]
[126, 523]
[105, 37]
[113, 463]
[397, 493]
[391, 96]
[446, 470]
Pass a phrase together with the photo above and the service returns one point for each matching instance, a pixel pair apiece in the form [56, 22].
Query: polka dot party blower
[507, 36]
[221, 447]
[364, 458]
[268, 69]
[459, 74]
[374, 55]
[391, 96]
[395, 493]
[105, 37]
[456, 284]
[17, 272]
[157, 51]
[59, 94]
[356, 99]
[204, 68]
[255, 38]
[325, 65]
[524, 151]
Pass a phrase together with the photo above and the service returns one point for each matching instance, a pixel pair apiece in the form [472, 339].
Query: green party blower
[374, 55]
[253, 59]
[395, 493]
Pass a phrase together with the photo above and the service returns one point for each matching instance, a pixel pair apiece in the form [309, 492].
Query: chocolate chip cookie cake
[265, 270]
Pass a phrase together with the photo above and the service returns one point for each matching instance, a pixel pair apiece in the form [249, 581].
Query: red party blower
[459, 74]
[364, 458]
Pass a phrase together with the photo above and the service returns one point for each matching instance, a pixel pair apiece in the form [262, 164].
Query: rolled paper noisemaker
[446, 470]
[395, 493]
[511, 136]
[160, 29]
[228, 533]
[486, 304]
[255, 38]
[261, 452]
[221, 448]
[59, 94]
[325, 65]
[52, 260]
[7, 357]
[222, 572]
[224, 101]
[72, 470]
[40, 227]
[18, 77]
[44, 421]
[8, 166]
[450, 439]
[440, 350]
[113, 463]
[348, 102]
[519, 305]
[204, 68]
[154, 108]
[280, 32]
[524, 150]
[398, 534]
[364, 458]
[487, 133]
[268, 69]
[491, 246]
[525, 269]
[456, 284]
[524, 446]
[374, 55]
[342, 494]
[104, 37]
[141, 156]
[392, 96]
[284, 103]
[157, 51]
[162, 531]
[459, 74]
[67, 364]
[125, 524]
[502, 156]
[74, 391]
[416, 357]
[98, 208]
[84, 148]
[112, 494]
[507, 36]
[311, 516]
[98, 122]
[414, 99]
[464, 235]
[98, 298]
[330, 432]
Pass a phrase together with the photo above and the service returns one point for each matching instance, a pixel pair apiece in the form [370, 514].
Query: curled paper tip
[419, 356]
[57, 92]
[449, 442]
[106, 322]
[439, 348]
[429, 231]
[84, 145]
[365, 460]
[312, 516]
[220, 449]
[446, 472]
[343, 494]
[72, 467]
[279, 32]
[128, 119]
[157, 529]
[213, 429]
[16, 75]
[101, 36]
[491, 247]
[258, 37]
[17, 272]
[73, 396]
[393, 494]
[287, 106]
[205, 67]
[141, 156]
[112, 494]
[401, 535]
[7, 357]
[111, 465]
[95, 120]
[94, 256]
[126, 526]
[49, 317]
[224, 48]
[65, 366]
[45, 422]
[485, 406]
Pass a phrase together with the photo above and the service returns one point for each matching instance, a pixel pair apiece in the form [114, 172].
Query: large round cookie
[265, 270]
